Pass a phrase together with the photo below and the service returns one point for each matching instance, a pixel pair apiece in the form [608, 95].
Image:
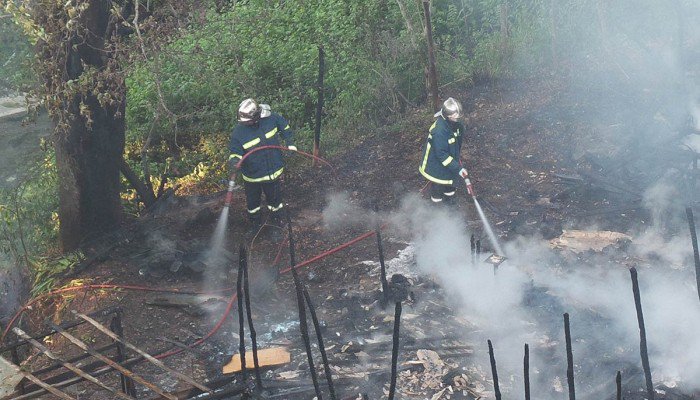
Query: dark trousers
[440, 193]
[253, 195]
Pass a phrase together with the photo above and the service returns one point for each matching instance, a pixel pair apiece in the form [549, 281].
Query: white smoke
[342, 211]
[525, 300]
[695, 113]
[663, 202]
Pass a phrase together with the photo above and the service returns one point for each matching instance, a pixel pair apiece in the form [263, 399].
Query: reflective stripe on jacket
[440, 161]
[263, 165]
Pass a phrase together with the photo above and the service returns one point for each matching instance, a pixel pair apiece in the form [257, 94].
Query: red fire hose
[283, 148]
[232, 299]
[229, 306]
[229, 192]
[95, 287]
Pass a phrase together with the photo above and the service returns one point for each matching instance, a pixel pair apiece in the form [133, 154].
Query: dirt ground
[522, 138]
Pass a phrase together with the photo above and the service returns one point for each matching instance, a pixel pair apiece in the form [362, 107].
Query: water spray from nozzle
[229, 193]
[489, 231]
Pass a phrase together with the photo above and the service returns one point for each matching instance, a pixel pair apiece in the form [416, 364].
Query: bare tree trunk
[409, 24]
[319, 104]
[419, 4]
[88, 153]
[432, 73]
[144, 191]
[145, 165]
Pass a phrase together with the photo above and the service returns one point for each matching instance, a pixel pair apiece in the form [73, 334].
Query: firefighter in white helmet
[441, 163]
[258, 126]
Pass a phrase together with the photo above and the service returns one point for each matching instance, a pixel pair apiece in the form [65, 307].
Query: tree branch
[147, 196]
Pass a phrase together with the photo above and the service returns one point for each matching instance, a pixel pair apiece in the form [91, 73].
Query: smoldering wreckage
[438, 362]
[457, 313]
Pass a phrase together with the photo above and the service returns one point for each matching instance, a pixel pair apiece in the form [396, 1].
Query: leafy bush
[270, 53]
[28, 218]
[15, 58]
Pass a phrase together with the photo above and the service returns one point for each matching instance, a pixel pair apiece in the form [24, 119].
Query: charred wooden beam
[319, 104]
[142, 353]
[80, 344]
[642, 334]
[321, 346]
[40, 391]
[66, 325]
[380, 246]
[472, 247]
[494, 371]
[115, 326]
[70, 366]
[73, 360]
[526, 372]
[569, 358]
[395, 350]
[303, 322]
[243, 256]
[618, 385]
[49, 388]
[241, 324]
[696, 253]
[17, 361]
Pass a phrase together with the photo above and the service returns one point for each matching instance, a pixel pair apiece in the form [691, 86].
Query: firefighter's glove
[463, 173]
[292, 148]
[232, 167]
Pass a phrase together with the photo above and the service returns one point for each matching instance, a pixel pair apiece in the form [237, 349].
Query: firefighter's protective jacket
[440, 161]
[264, 165]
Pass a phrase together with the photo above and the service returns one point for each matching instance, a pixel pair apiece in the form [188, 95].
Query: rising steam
[525, 300]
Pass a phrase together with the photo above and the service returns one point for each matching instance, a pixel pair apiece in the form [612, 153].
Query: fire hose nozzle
[229, 193]
[470, 188]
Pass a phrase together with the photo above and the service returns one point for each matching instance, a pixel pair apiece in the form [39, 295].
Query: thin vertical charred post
[478, 246]
[115, 325]
[380, 246]
[243, 255]
[303, 322]
[395, 350]
[494, 371]
[618, 385]
[642, 334]
[241, 318]
[319, 103]
[15, 359]
[432, 71]
[694, 239]
[526, 371]
[472, 246]
[321, 346]
[569, 358]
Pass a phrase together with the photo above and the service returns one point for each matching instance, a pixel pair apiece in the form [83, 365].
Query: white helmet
[451, 109]
[248, 112]
[265, 110]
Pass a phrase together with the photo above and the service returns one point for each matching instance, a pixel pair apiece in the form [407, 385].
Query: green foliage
[48, 269]
[15, 57]
[28, 219]
[270, 53]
